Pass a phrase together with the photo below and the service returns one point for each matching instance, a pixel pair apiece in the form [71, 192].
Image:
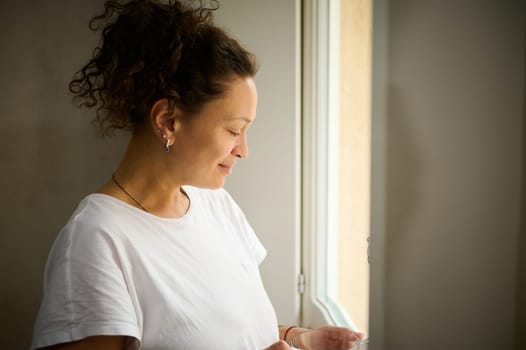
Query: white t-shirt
[186, 283]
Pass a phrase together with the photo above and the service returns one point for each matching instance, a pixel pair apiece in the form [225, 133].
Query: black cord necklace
[126, 192]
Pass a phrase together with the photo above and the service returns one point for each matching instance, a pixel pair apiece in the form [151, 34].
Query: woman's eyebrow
[247, 120]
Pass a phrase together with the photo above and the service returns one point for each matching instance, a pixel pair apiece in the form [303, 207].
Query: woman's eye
[234, 133]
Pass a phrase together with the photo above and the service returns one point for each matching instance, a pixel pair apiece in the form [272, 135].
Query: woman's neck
[145, 179]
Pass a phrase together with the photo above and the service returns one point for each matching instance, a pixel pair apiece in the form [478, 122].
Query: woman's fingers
[334, 338]
[281, 345]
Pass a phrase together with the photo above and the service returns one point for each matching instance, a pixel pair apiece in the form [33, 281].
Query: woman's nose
[241, 149]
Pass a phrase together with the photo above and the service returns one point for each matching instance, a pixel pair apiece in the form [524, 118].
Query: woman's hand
[327, 338]
[281, 345]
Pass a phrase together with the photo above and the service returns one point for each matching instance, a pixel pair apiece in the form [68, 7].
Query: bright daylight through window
[337, 158]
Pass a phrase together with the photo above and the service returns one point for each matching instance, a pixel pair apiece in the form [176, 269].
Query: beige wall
[354, 159]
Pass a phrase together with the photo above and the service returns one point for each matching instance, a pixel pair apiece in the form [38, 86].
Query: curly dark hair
[151, 50]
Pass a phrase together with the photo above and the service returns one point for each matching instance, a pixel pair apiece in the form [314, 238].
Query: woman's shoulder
[97, 214]
[98, 208]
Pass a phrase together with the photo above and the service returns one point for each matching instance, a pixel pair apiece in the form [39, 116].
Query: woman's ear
[165, 117]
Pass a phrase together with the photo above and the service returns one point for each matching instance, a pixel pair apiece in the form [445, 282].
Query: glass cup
[317, 340]
[361, 344]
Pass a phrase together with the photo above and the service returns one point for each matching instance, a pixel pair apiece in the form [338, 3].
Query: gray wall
[455, 115]
[520, 322]
[266, 184]
[50, 158]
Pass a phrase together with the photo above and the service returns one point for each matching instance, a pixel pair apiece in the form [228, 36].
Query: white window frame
[317, 55]
[320, 126]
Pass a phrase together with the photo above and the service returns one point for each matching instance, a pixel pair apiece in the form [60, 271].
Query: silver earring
[167, 146]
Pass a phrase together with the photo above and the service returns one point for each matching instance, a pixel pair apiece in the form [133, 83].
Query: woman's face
[207, 145]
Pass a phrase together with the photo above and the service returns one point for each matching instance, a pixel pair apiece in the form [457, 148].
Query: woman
[161, 257]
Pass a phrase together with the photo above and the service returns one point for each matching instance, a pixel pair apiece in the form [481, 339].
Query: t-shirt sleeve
[85, 293]
[248, 236]
[258, 250]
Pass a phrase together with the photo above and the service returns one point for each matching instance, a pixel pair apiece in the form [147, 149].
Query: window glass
[353, 170]
[337, 147]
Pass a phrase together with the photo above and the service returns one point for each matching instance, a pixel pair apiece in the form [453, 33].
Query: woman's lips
[226, 168]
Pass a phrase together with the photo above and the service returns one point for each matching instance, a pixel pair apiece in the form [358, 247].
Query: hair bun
[152, 50]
